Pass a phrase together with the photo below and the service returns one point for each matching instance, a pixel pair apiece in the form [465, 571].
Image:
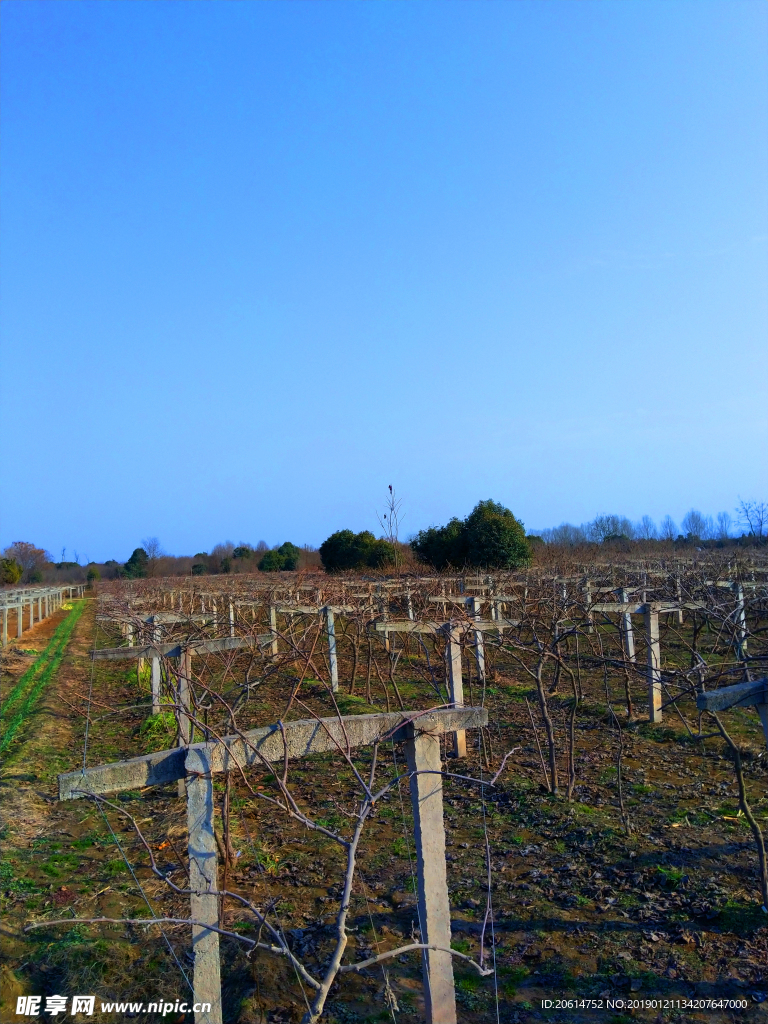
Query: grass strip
[34, 668]
[39, 674]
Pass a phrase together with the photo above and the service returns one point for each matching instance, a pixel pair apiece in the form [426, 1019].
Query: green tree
[495, 538]
[93, 574]
[282, 559]
[10, 571]
[442, 546]
[345, 550]
[489, 538]
[136, 566]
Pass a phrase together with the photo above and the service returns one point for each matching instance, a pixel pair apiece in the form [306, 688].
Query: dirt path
[29, 811]
[28, 779]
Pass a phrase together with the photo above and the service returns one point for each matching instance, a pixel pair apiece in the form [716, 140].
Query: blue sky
[260, 261]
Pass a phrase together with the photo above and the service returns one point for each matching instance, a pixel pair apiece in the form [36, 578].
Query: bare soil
[581, 910]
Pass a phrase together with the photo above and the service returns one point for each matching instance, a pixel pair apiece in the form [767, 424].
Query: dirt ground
[581, 911]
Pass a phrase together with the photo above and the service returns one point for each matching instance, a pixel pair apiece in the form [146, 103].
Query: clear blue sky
[260, 260]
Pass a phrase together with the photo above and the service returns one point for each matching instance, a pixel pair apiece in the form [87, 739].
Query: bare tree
[754, 515]
[154, 552]
[697, 525]
[31, 559]
[646, 529]
[724, 525]
[390, 520]
[668, 528]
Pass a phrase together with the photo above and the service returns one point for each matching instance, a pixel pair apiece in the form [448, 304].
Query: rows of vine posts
[604, 835]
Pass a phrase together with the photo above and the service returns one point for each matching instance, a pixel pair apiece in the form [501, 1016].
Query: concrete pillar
[155, 668]
[19, 618]
[627, 634]
[231, 618]
[679, 599]
[409, 601]
[423, 756]
[740, 619]
[654, 663]
[455, 684]
[473, 607]
[203, 883]
[274, 649]
[31, 612]
[333, 662]
[5, 626]
[383, 602]
[185, 677]
[587, 606]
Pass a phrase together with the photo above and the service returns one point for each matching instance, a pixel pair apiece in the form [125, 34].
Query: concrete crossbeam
[303, 737]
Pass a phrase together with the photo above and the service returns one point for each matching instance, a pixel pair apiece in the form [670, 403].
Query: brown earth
[581, 910]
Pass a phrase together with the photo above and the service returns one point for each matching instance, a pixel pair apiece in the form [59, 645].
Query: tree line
[490, 537]
[750, 527]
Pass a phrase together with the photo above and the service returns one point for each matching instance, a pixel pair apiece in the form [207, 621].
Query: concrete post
[627, 634]
[5, 627]
[383, 603]
[31, 612]
[455, 684]
[588, 605]
[185, 675]
[203, 883]
[182, 701]
[19, 618]
[274, 649]
[473, 607]
[155, 669]
[231, 618]
[333, 662]
[679, 598]
[741, 622]
[654, 663]
[409, 601]
[423, 755]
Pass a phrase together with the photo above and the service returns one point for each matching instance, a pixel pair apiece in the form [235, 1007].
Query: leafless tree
[724, 525]
[154, 552]
[647, 529]
[754, 515]
[668, 528]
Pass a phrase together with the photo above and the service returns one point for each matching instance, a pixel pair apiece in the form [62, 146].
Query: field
[591, 854]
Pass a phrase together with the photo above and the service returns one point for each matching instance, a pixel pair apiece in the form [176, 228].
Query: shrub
[282, 559]
[10, 570]
[489, 538]
[347, 550]
[93, 574]
[136, 566]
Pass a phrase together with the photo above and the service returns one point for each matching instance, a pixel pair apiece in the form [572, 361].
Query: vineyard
[305, 797]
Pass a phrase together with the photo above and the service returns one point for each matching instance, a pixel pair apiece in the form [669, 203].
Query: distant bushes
[490, 538]
[282, 559]
[10, 571]
[136, 566]
[347, 550]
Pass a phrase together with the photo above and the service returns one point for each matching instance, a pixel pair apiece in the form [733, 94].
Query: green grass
[23, 697]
